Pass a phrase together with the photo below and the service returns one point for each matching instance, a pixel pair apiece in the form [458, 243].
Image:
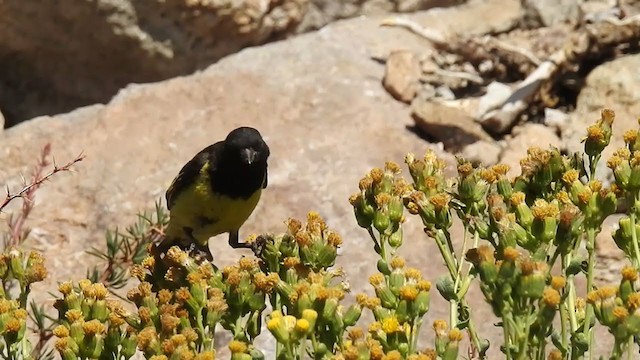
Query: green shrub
[522, 244]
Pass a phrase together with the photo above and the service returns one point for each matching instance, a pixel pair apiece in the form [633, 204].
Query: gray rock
[58, 55]
[402, 75]
[539, 13]
[483, 152]
[317, 99]
[451, 125]
[322, 12]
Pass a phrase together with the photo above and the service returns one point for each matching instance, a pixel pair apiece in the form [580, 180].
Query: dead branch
[27, 193]
[437, 38]
[512, 48]
[591, 40]
[505, 59]
[458, 75]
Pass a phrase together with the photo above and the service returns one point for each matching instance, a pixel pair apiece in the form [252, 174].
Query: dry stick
[593, 39]
[27, 193]
[474, 50]
[458, 75]
[16, 224]
[436, 37]
[512, 48]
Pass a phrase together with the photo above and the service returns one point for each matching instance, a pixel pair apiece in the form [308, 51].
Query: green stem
[206, 341]
[440, 239]
[634, 236]
[591, 241]
[564, 318]
[616, 353]
[593, 164]
[314, 345]
[506, 333]
[474, 335]
[566, 260]
[414, 335]
[378, 244]
[523, 345]
[453, 313]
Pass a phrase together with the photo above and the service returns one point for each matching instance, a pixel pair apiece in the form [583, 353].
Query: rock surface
[451, 125]
[551, 12]
[59, 55]
[63, 54]
[402, 75]
[318, 100]
[322, 12]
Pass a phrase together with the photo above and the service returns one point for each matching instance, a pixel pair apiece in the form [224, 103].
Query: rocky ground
[331, 103]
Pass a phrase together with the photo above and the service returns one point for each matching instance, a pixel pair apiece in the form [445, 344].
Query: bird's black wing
[190, 171]
[264, 183]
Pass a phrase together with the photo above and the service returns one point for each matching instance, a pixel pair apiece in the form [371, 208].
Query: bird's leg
[235, 242]
[195, 246]
[204, 250]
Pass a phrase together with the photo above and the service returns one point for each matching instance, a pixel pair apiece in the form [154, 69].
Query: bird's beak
[249, 155]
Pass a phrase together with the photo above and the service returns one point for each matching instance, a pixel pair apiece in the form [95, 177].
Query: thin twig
[514, 49]
[436, 37]
[37, 182]
[458, 75]
[17, 233]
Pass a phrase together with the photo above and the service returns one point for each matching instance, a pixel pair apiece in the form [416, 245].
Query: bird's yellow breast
[206, 212]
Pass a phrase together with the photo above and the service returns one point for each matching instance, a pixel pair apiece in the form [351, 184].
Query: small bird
[216, 192]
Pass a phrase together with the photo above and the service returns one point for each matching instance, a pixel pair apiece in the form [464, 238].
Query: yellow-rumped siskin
[216, 192]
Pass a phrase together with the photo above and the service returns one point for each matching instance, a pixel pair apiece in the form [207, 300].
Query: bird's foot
[200, 253]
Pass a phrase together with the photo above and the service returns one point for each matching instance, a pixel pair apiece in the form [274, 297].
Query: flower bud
[396, 209]
[524, 215]
[632, 323]
[254, 324]
[446, 288]
[280, 327]
[383, 267]
[395, 240]
[504, 187]
[198, 294]
[256, 354]
[381, 221]
[310, 316]
[15, 265]
[422, 302]
[304, 302]
[622, 174]
[622, 236]
[403, 311]
[326, 256]
[387, 298]
[301, 329]
[396, 280]
[362, 210]
[482, 227]
[352, 315]
[329, 309]
[629, 278]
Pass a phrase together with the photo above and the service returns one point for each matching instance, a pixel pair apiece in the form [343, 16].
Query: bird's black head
[245, 144]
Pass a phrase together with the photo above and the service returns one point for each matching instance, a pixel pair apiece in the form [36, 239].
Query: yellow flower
[390, 325]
